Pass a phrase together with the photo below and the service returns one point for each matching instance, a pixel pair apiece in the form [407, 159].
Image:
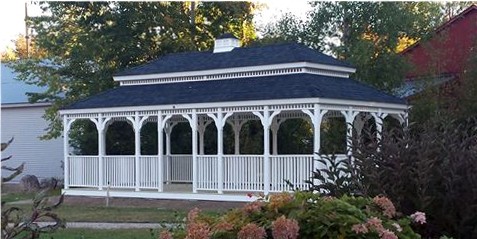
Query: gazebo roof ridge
[281, 53]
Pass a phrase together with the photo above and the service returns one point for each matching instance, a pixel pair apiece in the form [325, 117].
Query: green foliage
[429, 167]
[367, 34]
[85, 43]
[316, 216]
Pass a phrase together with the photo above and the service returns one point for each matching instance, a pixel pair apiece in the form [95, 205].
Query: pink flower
[253, 207]
[192, 215]
[360, 228]
[284, 228]
[165, 235]
[375, 224]
[386, 205]
[398, 227]
[198, 231]
[250, 195]
[251, 231]
[224, 226]
[419, 217]
[387, 234]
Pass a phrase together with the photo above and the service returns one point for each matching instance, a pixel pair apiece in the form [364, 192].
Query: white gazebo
[230, 85]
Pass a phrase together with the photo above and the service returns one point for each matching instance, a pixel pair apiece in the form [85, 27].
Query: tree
[20, 50]
[85, 43]
[369, 35]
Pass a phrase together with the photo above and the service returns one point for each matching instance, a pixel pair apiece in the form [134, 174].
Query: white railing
[292, 168]
[149, 172]
[207, 172]
[178, 168]
[243, 173]
[83, 171]
[119, 171]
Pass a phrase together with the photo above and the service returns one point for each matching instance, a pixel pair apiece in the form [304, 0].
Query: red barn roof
[447, 51]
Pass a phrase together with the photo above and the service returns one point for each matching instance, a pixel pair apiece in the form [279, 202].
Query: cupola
[225, 43]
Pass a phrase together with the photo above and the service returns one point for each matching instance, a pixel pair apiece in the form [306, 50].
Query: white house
[229, 85]
[24, 122]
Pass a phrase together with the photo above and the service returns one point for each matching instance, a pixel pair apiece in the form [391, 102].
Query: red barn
[445, 54]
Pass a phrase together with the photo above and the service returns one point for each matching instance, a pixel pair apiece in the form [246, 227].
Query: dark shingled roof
[238, 57]
[243, 89]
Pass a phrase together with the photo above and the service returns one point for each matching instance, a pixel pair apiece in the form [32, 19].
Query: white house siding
[25, 123]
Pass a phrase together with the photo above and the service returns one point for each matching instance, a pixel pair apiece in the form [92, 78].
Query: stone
[30, 183]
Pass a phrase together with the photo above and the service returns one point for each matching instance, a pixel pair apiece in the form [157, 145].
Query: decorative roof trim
[247, 106]
[285, 71]
[24, 105]
[237, 72]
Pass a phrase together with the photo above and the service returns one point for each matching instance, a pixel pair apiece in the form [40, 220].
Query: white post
[266, 150]
[378, 118]
[137, 148]
[100, 126]
[220, 151]
[194, 151]
[266, 122]
[168, 129]
[236, 127]
[220, 120]
[160, 149]
[275, 126]
[316, 118]
[349, 116]
[202, 125]
[66, 163]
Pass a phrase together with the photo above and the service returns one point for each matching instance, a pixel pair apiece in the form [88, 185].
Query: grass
[12, 197]
[19, 196]
[86, 213]
[74, 233]
[83, 213]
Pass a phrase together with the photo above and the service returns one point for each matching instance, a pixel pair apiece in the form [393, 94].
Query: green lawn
[103, 234]
[83, 213]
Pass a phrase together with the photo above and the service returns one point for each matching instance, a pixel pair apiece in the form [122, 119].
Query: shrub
[430, 167]
[303, 215]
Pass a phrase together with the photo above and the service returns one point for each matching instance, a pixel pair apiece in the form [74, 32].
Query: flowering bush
[304, 215]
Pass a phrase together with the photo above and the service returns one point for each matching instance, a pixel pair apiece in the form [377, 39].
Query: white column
[168, 140]
[160, 151]
[66, 145]
[266, 150]
[192, 118]
[202, 125]
[316, 117]
[378, 118]
[194, 151]
[219, 120]
[236, 127]
[137, 148]
[100, 127]
[349, 117]
[266, 119]
[274, 127]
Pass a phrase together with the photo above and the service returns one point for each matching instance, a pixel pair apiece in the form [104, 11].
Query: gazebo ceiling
[291, 86]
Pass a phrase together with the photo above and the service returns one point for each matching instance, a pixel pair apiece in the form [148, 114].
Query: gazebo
[229, 85]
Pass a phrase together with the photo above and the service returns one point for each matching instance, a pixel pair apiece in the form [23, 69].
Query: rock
[30, 183]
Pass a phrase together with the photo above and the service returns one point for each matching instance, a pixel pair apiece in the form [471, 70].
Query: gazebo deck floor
[180, 191]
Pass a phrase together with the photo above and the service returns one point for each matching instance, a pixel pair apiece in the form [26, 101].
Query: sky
[12, 15]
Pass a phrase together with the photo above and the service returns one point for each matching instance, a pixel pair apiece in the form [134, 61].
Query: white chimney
[225, 43]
